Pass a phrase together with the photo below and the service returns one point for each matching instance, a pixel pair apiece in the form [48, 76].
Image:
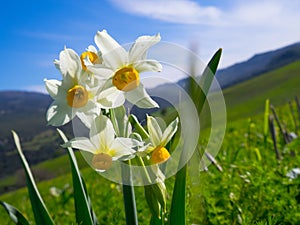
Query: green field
[252, 187]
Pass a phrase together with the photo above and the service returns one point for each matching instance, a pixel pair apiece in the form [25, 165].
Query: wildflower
[159, 139]
[103, 144]
[72, 96]
[122, 69]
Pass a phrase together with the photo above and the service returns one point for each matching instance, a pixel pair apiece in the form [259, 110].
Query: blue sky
[33, 32]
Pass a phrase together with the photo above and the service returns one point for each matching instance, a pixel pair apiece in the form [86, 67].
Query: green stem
[114, 121]
[129, 197]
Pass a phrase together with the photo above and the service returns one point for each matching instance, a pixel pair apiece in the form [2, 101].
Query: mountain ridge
[258, 64]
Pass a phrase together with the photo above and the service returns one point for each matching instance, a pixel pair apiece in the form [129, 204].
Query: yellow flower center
[159, 155]
[93, 57]
[102, 161]
[126, 79]
[77, 96]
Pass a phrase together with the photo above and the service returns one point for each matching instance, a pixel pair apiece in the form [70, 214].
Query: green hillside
[247, 99]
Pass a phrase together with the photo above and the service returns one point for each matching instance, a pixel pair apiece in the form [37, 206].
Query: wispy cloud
[174, 11]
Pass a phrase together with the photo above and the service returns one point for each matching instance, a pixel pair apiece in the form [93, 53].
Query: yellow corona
[159, 155]
[102, 161]
[93, 57]
[77, 96]
[126, 79]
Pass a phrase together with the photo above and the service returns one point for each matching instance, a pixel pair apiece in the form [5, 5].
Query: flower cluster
[94, 88]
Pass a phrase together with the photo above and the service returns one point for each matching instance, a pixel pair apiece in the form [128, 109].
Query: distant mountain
[25, 112]
[258, 64]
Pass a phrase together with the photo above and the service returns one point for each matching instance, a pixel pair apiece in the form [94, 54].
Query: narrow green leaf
[39, 209]
[129, 196]
[15, 215]
[156, 221]
[206, 79]
[177, 212]
[266, 120]
[82, 207]
[198, 92]
[138, 127]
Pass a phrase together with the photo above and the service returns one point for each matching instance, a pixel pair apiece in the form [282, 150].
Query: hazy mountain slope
[258, 64]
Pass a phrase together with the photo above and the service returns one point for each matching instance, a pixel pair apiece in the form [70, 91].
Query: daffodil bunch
[99, 81]
[94, 88]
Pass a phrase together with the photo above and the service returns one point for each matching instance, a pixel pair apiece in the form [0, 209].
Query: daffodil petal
[52, 87]
[58, 115]
[122, 147]
[169, 132]
[113, 54]
[100, 71]
[81, 143]
[69, 62]
[154, 130]
[111, 98]
[102, 132]
[92, 48]
[142, 44]
[87, 117]
[140, 98]
[148, 66]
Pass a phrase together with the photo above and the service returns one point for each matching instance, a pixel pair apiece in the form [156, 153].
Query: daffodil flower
[72, 96]
[122, 69]
[103, 144]
[159, 139]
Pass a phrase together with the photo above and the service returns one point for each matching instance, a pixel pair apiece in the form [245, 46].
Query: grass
[45, 170]
[248, 98]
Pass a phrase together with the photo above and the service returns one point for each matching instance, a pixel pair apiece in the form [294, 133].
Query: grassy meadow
[252, 187]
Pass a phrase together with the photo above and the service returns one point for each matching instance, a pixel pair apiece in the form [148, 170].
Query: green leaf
[84, 213]
[156, 221]
[39, 209]
[266, 120]
[198, 92]
[129, 196]
[177, 212]
[14, 214]
[138, 127]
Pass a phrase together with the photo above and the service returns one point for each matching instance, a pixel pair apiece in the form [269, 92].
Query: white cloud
[256, 13]
[251, 27]
[174, 11]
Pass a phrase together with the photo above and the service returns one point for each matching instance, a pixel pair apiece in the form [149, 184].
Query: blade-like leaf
[198, 92]
[39, 209]
[138, 127]
[266, 121]
[156, 221]
[15, 215]
[177, 212]
[82, 206]
[129, 196]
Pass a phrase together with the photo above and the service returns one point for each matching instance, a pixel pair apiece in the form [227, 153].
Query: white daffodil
[103, 144]
[122, 69]
[159, 139]
[72, 96]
